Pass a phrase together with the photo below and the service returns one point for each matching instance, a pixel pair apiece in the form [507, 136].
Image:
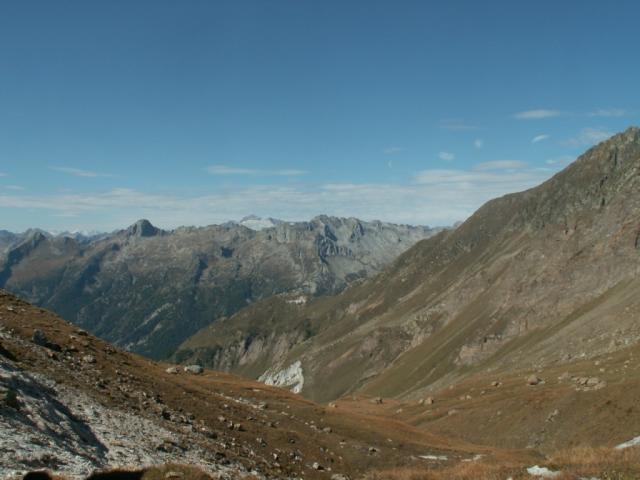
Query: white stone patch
[543, 472]
[290, 377]
[631, 443]
[301, 300]
[439, 458]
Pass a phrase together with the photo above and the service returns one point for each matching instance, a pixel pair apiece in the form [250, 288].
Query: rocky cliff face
[531, 279]
[148, 290]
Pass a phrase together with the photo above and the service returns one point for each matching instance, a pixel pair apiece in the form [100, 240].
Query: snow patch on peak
[290, 377]
[254, 222]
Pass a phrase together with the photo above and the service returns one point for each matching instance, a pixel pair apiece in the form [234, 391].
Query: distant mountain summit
[258, 223]
[148, 289]
[143, 228]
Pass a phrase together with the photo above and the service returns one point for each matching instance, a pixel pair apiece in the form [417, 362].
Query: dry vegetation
[575, 463]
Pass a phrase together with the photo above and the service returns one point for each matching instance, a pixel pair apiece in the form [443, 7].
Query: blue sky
[197, 112]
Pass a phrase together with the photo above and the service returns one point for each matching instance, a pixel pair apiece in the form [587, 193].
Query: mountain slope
[531, 279]
[147, 289]
[72, 403]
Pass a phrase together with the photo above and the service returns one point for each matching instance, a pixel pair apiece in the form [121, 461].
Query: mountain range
[148, 289]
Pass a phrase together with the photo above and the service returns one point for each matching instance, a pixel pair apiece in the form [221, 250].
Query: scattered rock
[543, 472]
[332, 405]
[533, 380]
[317, 466]
[589, 383]
[496, 383]
[10, 398]
[172, 370]
[195, 369]
[551, 417]
[174, 475]
[40, 339]
[377, 400]
[89, 359]
[340, 476]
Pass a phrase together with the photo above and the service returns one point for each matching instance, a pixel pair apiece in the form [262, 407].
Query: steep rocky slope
[532, 279]
[148, 290]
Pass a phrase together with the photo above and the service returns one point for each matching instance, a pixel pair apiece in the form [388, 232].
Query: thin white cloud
[537, 114]
[457, 124]
[434, 197]
[501, 165]
[3, 174]
[226, 170]
[478, 143]
[540, 138]
[76, 172]
[588, 137]
[610, 112]
[446, 156]
[392, 150]
[13, 187]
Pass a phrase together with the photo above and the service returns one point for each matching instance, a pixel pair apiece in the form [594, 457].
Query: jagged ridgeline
[532, 279]
[148, 290]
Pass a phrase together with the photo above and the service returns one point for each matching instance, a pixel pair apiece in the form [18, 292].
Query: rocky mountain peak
[143, 228]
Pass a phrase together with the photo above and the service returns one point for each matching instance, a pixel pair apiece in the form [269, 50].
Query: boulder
[10, 398]
[172, 370]
[533, 380]
[195, 369]
[89, 359]
[40, 339]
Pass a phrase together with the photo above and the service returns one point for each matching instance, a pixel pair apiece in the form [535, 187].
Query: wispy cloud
[3, 174]
[226, 170]
[537, 114]
[457, 124]
[478, 143]
[539, 138]
[610, 112]
[588, 137]
[12, 187]
[434, 197]
[76, 172]
[501, 165]
[392, 150]
[446, 156]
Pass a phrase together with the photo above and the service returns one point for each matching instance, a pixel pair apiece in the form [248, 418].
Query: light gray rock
[195, 369]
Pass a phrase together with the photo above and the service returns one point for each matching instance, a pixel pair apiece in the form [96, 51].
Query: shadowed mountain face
[531, 279]
[148, 290]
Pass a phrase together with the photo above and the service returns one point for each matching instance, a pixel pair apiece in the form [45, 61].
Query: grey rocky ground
[46, 425]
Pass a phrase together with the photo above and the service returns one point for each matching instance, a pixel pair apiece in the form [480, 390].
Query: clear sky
[196, 112]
